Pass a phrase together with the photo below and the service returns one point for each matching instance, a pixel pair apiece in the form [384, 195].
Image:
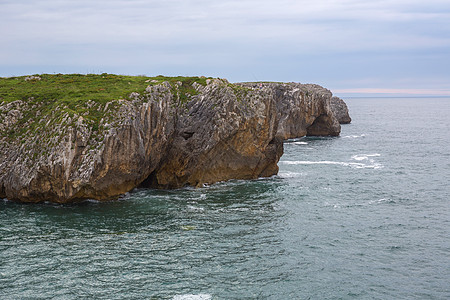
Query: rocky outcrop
[340, 110]
[161, 138]
[302, 109]
[69, 162]
[172, 135]
[223, 133]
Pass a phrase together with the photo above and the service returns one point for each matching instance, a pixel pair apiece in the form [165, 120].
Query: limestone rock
[69, 163]
[340, 110]
[221, 135]
[158, 138]
[303, 109]
[32, 78]
[164, 137]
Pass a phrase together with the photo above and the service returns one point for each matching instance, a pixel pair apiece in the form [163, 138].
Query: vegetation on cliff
[65, 138]
[61, 97]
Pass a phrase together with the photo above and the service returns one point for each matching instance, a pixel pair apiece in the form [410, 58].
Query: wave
[365, 156]
[354, 136]
[288, 174]
[340, 163]
[387, 201]
[195, 208]
[368, 158]
[382, 200]
[295, 142]
[192, 297]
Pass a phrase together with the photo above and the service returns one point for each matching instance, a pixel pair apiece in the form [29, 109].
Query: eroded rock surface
[221, 134]
[340, 110]
[68, 162]
[160, 138]
[302, 109]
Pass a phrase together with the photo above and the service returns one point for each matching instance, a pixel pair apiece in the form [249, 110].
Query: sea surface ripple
[361, 216]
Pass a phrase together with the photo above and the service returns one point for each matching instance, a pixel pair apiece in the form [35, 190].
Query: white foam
[348, 205]
[192, 297]
[288, 141]
[300, 143]
[307, 162]
[340, 163]
[191, 207]
[368, 159]
[91, 201]
[383, 200]
[365, 156]
[354, 136]
[288, 174]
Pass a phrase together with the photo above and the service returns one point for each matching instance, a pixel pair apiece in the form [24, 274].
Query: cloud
[274, 40]
[410, 92]
[133, 21]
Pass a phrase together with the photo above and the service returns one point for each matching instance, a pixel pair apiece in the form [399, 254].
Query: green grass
[59, 95]
[240, 91]
[72, 88]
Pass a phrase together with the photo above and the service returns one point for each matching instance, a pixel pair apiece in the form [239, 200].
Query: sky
[353, 48]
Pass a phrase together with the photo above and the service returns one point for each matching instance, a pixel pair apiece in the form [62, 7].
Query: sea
[362, 216]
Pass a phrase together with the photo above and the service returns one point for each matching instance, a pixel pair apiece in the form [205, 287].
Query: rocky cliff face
[223, 133]
[302, 109]
[164, 137]
[69, 162]
[340, 110]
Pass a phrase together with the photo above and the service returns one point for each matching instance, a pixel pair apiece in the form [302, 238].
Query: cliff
[65, 138]
[302, 109]
[340, 110]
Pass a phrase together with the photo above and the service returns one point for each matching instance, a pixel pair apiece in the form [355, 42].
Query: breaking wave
[356, 165]
[354, 136]
[192, 297]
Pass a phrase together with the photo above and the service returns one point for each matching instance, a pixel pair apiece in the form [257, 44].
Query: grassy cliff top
[69, 88]
[51, 100]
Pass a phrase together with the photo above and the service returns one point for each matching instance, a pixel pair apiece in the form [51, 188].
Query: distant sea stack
[67, 138]
[340, 110]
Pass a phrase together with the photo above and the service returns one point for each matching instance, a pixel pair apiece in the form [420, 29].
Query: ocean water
[362, 216]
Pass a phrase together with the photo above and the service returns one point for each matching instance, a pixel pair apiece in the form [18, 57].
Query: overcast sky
[348, 46]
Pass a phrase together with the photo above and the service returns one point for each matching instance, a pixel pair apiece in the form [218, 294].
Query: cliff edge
[66, 138]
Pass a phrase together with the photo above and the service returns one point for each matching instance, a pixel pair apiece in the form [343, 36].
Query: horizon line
[393, 92]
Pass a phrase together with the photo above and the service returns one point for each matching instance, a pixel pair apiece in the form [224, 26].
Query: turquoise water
[361, 216]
